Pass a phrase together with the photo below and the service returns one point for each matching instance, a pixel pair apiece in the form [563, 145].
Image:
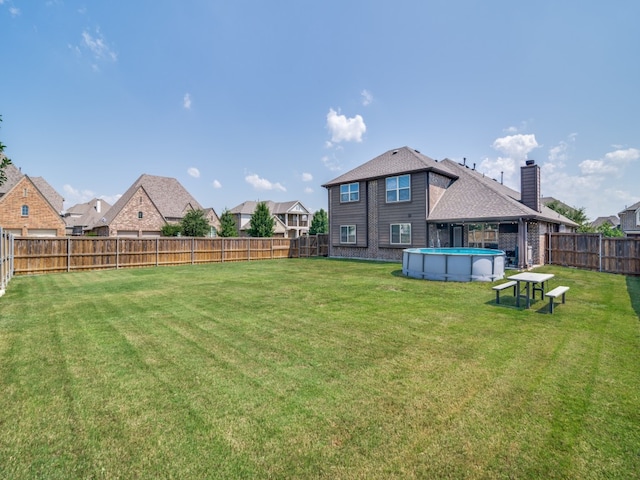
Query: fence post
[599, 252]
[68, 254]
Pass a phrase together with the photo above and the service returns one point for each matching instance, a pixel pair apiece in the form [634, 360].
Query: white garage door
[41, 232]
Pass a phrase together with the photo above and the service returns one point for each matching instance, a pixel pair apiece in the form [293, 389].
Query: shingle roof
[168, 195]
[14, 175]
[631, 208]
[611, 219]
[474, 196]
[393, 162]
[275, 208]
[86, 214]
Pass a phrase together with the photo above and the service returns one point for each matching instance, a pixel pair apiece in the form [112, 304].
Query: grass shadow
[633, 287]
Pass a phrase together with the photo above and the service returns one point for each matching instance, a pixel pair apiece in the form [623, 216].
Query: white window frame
[638, 218]
[400, 233]
[24, 211]
[350, 233]
[350, 189]
[397, 189]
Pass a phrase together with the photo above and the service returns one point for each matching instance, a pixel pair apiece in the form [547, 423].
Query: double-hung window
[25, 210]
[347, 234]
[350, 192]
[401, 234]
[399, 188]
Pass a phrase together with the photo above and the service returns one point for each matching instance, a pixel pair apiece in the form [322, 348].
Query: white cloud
[186, 101]
[97, 46]
[345, 129]
[308, 190]
[14, 11]
[216, 184]
[262, 183]
[332, 164]
[596, 167]
[307, 177]
[194, 172]
[367, 97]
[74, 196]
[516, 147]
[623, 156]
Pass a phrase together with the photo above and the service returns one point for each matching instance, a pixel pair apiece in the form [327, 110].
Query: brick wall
[127, 220]
[42, 215]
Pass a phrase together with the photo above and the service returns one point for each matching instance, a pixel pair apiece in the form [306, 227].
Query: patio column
[522, 243]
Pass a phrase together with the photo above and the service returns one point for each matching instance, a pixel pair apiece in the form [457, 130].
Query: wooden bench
[502, 286]
[555, 293]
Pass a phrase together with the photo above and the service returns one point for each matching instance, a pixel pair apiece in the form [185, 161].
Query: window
[638, 217]
[399, 188]
[350, 192]
[401, 233]
[140, 215]
[347, 234]
[25, 210]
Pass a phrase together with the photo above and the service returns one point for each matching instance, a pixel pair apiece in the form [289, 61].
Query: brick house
[29, 206]
[404, 199]
[149, 204]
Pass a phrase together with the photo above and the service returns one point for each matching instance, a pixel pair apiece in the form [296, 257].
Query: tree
[171, 230]
[608, 231]
[227, 224]
[4, 161]
[195, 224]
[578, 215]
[262, 223]
[319, 223]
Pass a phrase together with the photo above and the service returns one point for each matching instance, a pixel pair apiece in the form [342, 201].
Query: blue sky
[255, 100]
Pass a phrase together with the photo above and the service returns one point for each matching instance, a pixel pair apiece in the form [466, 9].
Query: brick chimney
[530, 185]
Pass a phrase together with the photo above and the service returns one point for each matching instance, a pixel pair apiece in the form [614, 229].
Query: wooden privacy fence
[6, 258]
[592, 251]
[66, 254]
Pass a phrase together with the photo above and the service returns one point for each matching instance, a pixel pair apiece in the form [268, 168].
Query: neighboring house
[292, 219]
[403, 199]
[630, 220]
[81, 217]
[611, 220]
[29, 206]
[149, 204]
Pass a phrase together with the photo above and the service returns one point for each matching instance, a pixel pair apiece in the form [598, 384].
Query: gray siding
[413, 212]
[349, 213]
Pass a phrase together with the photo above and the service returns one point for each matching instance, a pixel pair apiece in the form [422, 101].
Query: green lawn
[315, 368]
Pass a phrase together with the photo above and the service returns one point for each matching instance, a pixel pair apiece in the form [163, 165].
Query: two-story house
[292, 219]
[403, 199]
[630, 220]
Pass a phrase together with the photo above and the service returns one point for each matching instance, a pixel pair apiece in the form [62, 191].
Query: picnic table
[534, 282]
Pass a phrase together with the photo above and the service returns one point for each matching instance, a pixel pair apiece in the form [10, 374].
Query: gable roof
[393, 162]
[167, 194]
[474, 196]
[632, 208]
[86, 214]
[14, 175]
[611, 220]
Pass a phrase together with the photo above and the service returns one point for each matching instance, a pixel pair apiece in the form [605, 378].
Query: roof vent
[417, 151]
[394, 152]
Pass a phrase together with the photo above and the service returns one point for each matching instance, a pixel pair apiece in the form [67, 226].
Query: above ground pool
[454, 264]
